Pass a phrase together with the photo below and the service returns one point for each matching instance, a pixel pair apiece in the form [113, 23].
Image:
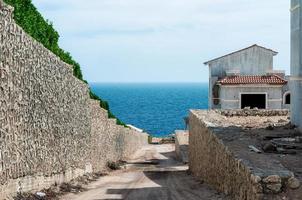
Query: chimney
[296, 63]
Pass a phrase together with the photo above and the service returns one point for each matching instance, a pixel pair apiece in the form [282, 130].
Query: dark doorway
[287, 99]
[253, 101]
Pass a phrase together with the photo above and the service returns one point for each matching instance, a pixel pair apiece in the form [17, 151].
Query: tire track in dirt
[151, 174]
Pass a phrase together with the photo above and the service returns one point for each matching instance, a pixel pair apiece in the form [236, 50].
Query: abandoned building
[246, 78]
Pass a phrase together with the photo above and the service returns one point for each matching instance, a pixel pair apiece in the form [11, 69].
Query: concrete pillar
[296, 63]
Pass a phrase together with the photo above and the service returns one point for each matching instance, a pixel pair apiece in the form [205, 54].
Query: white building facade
[246, 78]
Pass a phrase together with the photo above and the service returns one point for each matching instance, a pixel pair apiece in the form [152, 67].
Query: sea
[157, 108]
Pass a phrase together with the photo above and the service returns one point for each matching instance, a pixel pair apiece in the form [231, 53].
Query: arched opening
[286, 98]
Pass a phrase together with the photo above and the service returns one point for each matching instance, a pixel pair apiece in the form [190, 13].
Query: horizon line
[143, 82]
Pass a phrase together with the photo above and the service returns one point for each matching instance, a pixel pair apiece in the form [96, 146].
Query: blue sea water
[159, 108]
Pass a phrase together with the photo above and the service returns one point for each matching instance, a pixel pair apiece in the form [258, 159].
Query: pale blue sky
[164, 40]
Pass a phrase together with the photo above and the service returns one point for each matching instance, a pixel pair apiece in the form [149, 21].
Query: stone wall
[253, 112]
[211, 161]
[182, 145]
[50, 130]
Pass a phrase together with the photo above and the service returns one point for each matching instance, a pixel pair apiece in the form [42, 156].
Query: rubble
[277, 171]
[294, 183]
[254, 112]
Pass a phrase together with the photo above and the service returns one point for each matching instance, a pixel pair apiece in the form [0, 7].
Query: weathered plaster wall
[296, 62]
[230, 95]
[50, 130]
[252, 61]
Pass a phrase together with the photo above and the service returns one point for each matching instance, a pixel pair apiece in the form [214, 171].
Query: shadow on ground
[172, 180]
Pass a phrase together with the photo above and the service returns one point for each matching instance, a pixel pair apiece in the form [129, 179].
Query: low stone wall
[211, 161]
[182, 145]
[226, 155]
[50, 129]
[253, 112]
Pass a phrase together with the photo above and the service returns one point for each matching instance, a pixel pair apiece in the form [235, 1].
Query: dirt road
[152, 174]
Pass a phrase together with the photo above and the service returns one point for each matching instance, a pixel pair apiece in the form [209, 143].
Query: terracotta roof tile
[267, 79]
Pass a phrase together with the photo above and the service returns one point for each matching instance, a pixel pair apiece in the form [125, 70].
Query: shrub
[114, 165]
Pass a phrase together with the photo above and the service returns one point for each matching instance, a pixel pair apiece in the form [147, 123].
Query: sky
[164, 40]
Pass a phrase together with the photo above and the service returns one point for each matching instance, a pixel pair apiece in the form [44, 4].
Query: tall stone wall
[50, 130]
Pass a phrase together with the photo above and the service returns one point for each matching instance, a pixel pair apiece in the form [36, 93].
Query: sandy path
[152, 174]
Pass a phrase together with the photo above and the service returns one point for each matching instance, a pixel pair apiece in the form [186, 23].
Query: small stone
[282, 121]
[258, 188]
[272, 179]
[255, 179]
[41, 194]
[275, 188]
[293, 183]
[269, 147]
[270, 127]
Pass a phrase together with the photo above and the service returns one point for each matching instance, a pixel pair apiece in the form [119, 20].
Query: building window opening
[287, 99]
[253, 101]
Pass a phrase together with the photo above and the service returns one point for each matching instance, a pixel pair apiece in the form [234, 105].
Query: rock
[275, 188]
[270, 127]
[273, 183]
[246, 108]
[282, 121]
[258, 188]
[272, 179]
[255, 178]
[40, 194]
[299, 139]
[289, 126]
[269, 147]
[293, 183]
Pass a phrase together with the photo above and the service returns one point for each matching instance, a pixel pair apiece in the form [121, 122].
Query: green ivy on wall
[28, 17]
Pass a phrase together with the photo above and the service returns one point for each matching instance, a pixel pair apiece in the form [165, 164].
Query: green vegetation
[27, 16]
[114, 165]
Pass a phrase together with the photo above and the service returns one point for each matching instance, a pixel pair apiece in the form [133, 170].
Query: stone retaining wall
[223, 155]
[253, 112]
[50, 130]
[211, 161]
